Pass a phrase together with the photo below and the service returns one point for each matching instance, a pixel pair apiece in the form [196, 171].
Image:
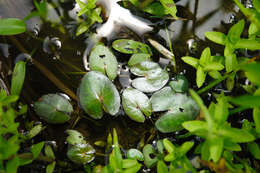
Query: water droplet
[51, 45]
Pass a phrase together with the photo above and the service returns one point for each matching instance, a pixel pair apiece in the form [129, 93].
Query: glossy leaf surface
[103, 60]
[131, 46]
[97, 92]
[136, 104]
[53, 108]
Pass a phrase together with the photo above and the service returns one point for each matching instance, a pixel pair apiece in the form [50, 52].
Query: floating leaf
[180, 108]
[154, 77]
[53, 108]
[137, 58]
[97, 92]
[148, 150]
[102, 59]
[136, 104]
[81, 153]
[131, 46]
[12, 26]
[75, 137]
[180, 84]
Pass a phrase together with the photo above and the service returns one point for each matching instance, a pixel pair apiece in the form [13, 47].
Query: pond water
[55, 46]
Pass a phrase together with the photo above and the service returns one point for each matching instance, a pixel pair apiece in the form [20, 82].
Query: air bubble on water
[78, 53]
[192, 45]
[51, 45]
[4, 49]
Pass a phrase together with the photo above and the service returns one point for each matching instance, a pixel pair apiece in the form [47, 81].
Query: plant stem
[46, 72]
[214, 83]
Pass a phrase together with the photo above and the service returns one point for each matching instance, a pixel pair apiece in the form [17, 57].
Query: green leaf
[252, 72]
[205, 56]
[256, 4]
[75, 137]
[35, 131]
[136, 104]
[185, 147]
[215, 148]
[169, 146]
[49, 152]
[162, 99]
[215, 74]
[130, 47]
[53, 108]
[254, 149]
[161, 167]
[18, 77]
[97, 92]
[248, 44]
[230, 62]
[232, 146]
[154, 77]
[221, 111]
[235, 32]
[217, 37]
[135, 154]
[81, 153]
[235, 135]
[12, 26]
[200, 76]
[156, 9]
[148, 150]
[256, 117]
[128, 163]
[205, 150]
[195, 125]
[213, 66]
[133, 169]
[170, 6]
[50, 167]
[137, 58]
[194, 62]
[83, 27]
[246, 100]
[103, 60]
[36, 149]
[12, 165]
[180, 84]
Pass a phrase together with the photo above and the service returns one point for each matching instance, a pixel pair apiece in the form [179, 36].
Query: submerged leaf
[137, 58]
[81, 153]
[103, 60]
[75, 137]
[180, 84]
[97, 92]
[53, 108]
[136, 104]
[131, 46]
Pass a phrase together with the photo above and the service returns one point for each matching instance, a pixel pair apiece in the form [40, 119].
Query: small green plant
[217, 132]
[91, 11]
[205, 65]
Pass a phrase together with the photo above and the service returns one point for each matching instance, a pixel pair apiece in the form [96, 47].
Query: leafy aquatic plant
[12, 26]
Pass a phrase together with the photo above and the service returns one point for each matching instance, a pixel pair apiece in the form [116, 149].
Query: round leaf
[130, 46]
[81, 153]
[154, 77]
[75, 137]
[102, 59]
[53, 108]
[137, 58]
[136, 104]
[97, 92]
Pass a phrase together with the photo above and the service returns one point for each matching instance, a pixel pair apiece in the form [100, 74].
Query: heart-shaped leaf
[97, 92]
[180, 84]
[180, 108]
[130, 46]
[53, 108]
[136, 104]
[154, 77]
[102, 59]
